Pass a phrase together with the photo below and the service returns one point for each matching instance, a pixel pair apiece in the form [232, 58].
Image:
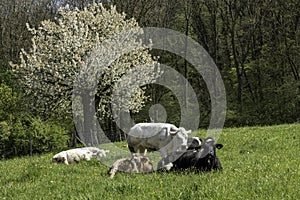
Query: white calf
[134, 164]
[76, 155]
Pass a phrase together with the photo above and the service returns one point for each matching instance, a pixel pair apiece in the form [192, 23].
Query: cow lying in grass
[134, 164]
[76, 155]
[201, 159]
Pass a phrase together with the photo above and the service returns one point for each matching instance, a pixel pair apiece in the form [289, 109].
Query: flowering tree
[62, 49]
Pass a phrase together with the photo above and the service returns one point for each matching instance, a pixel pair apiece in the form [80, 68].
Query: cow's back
[151, 136]
[147, 130]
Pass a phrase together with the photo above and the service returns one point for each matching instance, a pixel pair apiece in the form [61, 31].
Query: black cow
[202, 159]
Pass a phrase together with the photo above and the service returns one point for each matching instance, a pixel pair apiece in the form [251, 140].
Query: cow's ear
[219, 146]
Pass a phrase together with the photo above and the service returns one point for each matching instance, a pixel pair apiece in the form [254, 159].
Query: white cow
[162, 137]
[76, 155]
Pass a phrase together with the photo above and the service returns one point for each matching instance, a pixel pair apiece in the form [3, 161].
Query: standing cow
[163, 137]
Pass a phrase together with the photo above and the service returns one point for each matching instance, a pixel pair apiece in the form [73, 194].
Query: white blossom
[60, 49]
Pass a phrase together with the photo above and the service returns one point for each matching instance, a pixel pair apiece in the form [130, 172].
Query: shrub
[26, 136]
[47, 136]
[9, 102]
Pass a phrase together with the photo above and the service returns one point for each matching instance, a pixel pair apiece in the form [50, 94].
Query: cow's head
[208, 148]
[59, 159]
[180, 138]
[207, 156]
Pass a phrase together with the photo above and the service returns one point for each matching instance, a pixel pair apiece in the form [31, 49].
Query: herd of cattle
[177, 150]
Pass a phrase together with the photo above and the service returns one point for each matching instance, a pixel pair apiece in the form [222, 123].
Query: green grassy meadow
[258, 162]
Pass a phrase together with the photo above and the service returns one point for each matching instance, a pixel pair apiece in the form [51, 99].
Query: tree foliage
[24, 136]
[21, 134]
[61, 48]
[255, 44]
[68, 52]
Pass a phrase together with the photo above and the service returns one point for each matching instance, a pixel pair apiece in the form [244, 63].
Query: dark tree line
[255, 44]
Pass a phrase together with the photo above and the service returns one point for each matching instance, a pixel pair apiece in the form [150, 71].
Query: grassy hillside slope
[258, 162]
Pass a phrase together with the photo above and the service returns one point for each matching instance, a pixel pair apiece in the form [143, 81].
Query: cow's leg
[142, 150]
[87, 157]
[132, 149]
[134, 162]
[166, 164]
[217, 164]
[65, 160]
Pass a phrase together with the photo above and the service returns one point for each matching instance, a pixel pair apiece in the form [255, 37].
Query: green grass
[258, 162]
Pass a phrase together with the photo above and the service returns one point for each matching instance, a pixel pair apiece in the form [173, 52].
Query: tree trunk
[187, 25]
[90, 139]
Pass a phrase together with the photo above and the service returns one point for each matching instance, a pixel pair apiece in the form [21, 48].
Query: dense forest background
[254, 43]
